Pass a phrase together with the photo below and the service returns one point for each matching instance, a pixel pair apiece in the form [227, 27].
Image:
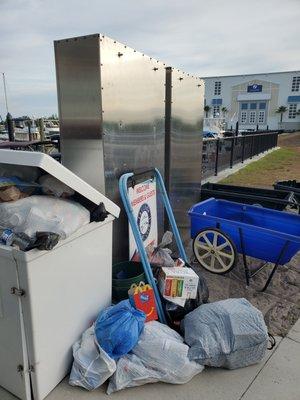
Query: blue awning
[294, 99]
[216, 102]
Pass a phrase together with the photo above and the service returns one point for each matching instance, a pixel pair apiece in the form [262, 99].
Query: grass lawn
[281, 164]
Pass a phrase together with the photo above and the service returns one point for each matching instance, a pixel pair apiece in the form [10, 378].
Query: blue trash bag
[118, 328]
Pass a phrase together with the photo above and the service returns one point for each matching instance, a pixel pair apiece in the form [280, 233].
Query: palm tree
[206, 109]
[224, 111]
[281, 110]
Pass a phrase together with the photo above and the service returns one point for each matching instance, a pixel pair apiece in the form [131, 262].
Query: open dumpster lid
[54, 168]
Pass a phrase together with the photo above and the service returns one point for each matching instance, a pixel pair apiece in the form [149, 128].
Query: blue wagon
[220, 229]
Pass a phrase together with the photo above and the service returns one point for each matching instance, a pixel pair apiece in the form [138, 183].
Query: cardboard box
[180, 282]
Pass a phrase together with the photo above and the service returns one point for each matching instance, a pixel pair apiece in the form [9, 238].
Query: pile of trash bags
[229, 334]
[37, 211]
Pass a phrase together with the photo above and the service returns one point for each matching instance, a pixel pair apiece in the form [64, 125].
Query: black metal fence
[219, 154]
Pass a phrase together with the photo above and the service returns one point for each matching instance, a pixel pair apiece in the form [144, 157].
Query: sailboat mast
[5, 93]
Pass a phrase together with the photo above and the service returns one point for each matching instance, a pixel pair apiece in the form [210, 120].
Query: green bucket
[133, 273]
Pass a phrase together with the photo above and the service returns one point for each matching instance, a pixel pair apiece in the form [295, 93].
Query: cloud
[206, 38]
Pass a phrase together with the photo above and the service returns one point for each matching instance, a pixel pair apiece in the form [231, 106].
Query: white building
[253, 100]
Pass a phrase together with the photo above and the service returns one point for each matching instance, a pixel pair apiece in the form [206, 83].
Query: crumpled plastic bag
[52, 186]
[43, 214]
[160, 355]
[229, 333]
[91, 365]
[160, 255]
[118, 328]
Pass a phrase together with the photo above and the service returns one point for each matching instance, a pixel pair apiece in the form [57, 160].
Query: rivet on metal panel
[180, 78]
[115, 41]
[134, 51]
[198, 85]
[20, 368]
[155, 69]
[101, 65]
[17, 292]
[120, 54]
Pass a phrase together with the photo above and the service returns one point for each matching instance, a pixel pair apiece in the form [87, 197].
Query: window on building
[262, 106]
[243, 117]
[252, 117]
[292, 111]
[296, 84]
[216, 111]
[217, 87]
[244, 106]
[261, 117]
[253, 106]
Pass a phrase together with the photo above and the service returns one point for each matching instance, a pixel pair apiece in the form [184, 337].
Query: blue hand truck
[130, 179]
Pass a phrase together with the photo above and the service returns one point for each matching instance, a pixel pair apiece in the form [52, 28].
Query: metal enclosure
[111, 108]
[184, 126]
[115, 106]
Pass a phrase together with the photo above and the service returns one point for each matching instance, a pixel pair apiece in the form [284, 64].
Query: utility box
[111, 107]
[48, 298]
[120, 111]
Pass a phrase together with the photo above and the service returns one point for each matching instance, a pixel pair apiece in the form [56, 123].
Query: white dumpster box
[48, 298]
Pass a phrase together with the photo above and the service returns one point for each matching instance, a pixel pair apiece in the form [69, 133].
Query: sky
[203, 37]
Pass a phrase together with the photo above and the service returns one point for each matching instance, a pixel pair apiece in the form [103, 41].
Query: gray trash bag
[229, 333]
[160, 355]
[91, 366]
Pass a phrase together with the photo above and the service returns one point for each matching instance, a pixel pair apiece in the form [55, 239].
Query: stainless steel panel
[133, 121]
[186, 126]
[79, 99]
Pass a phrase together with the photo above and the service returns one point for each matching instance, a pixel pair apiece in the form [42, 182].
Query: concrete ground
[277, 377]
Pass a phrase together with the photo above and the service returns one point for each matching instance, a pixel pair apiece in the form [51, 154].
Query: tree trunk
[281, 116]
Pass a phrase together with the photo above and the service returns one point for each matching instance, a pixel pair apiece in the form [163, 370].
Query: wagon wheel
[215, 251]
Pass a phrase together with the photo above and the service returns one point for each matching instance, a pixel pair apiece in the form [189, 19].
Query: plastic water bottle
[9, 238]
[6, 237]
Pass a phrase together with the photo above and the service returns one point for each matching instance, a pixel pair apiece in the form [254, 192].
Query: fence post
[10, 127]
[237, 128]
[231, 152]
[217, 157]
[251, 147]
[243, 147]
[42, 129]
[30, 136]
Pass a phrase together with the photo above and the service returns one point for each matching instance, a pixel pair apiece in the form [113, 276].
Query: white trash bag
[43, 214]
[91, 366]
[160, 355]
[229, 333]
